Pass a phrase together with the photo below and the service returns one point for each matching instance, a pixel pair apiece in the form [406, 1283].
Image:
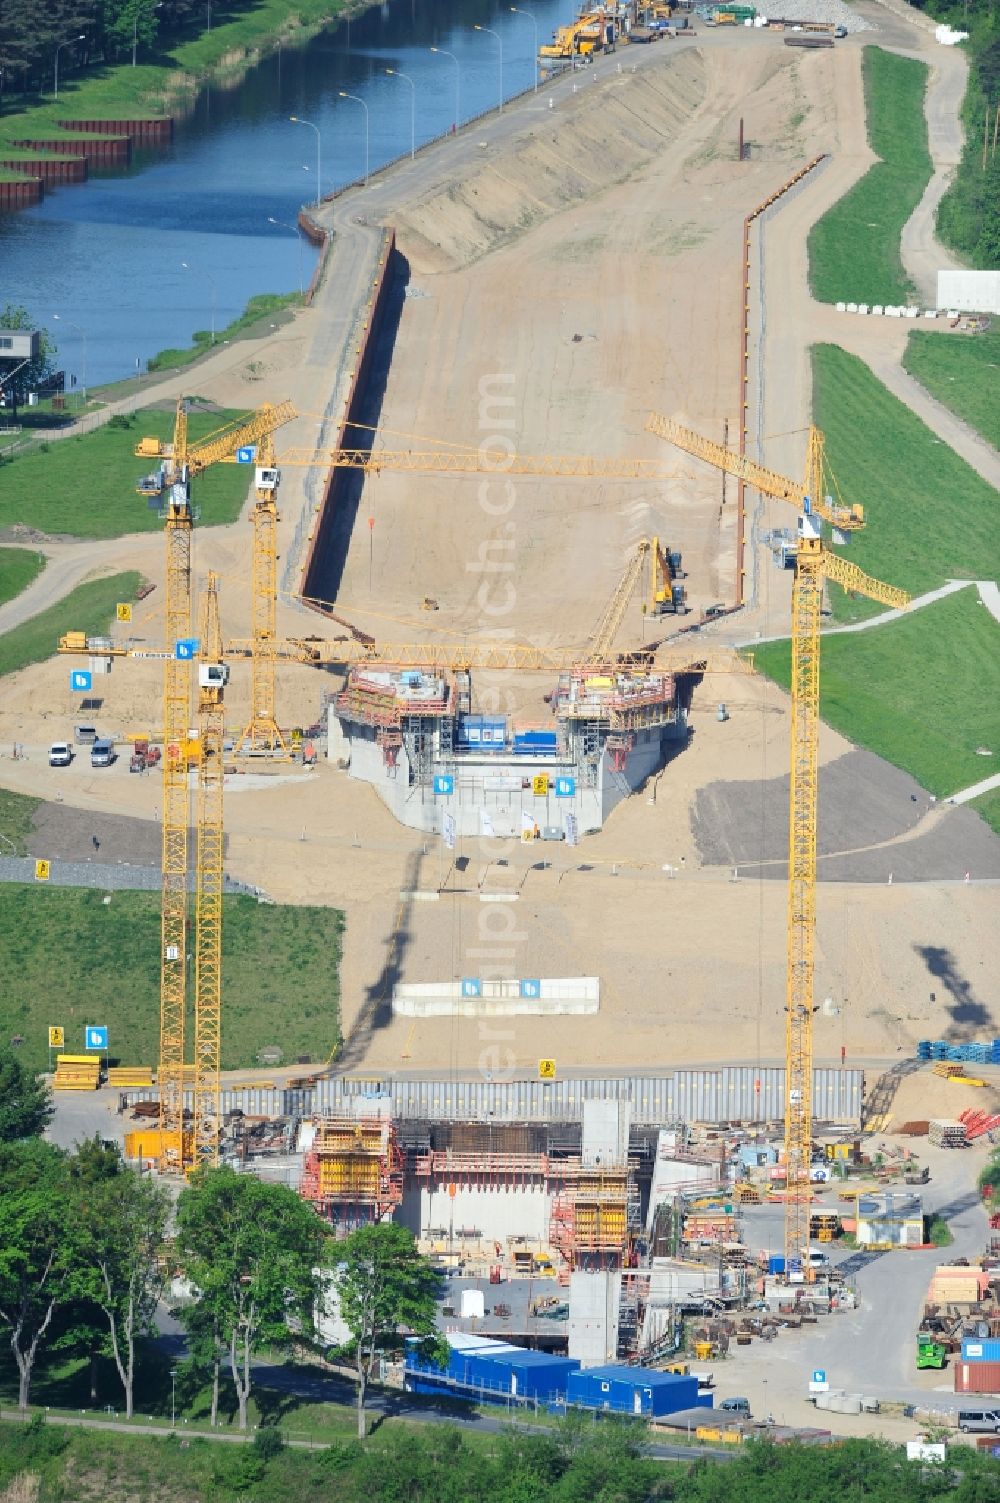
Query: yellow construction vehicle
[814, 563]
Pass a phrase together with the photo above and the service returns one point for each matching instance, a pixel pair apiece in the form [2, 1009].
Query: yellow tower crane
[213, 676]
[262, 734]
[814, 563]
[174, 890]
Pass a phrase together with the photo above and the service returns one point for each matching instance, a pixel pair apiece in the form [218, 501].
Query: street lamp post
[499, 41]
[356, 100]
[516, 10]
[211, 282]
[395, 73]
[135, 30]
[83, 335]
[68, 43]
[297, 120]
[458, 81]
[298, 235]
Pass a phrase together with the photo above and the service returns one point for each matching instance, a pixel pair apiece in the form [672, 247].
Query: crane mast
[813, 565]
[174, 891]
[262, 734]
[209, 880]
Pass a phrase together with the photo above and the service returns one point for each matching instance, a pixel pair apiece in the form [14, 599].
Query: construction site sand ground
[559, 288]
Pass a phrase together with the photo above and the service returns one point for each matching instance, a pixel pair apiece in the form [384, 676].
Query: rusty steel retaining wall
[310, 588]
[150, 132]
[22, 193]
[65, 169]
[108, 151]
[745, 359]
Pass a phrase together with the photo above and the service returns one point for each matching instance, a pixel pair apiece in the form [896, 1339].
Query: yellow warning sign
[42, 870]
[123, 611]
[540, 785]
[546, 1069]
[57, 1038]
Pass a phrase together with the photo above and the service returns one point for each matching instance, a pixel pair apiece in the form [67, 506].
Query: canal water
[107, 256]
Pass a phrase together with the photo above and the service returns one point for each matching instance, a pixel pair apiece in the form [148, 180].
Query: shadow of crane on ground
[376, 1009]
[966, 1013]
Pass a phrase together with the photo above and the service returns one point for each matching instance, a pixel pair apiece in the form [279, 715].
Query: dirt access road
[600, 283]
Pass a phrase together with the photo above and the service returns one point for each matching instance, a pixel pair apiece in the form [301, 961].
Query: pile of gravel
[834, 11]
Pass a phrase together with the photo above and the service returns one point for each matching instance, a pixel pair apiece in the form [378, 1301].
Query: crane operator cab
[212, 675]
[267, 479]
[179, 502]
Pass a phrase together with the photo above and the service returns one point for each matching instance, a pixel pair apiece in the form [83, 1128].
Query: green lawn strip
[264, 311]
[237, 37]
[52, 487]
[968, 218]
[280, 973]
[18, 567]
[961, 372]
[987, 805]
[854, 248]
[929, 516]
[90, 608]
[923, 692]
[16, 822]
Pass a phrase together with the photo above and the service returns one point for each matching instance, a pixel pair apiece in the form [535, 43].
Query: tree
[383, 1283]
[252, 1251]
[33, 373]
[122, 1223]
[37, 1248]
[25, 1101]
[206, 1351]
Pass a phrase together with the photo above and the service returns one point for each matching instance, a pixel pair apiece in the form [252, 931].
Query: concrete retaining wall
[312, 587]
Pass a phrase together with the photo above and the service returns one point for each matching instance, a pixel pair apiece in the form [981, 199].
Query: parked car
[979, 1419]
[736, 1406]
[102, 753]
[60, 754]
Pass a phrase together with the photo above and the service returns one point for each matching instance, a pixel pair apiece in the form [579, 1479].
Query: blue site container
[482, 1368]
[984, 1349]
[535, 743]
[632, 1390]
[775, 1263]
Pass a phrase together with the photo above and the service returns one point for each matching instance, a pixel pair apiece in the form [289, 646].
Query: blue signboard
[186, 649]
[247, 454]
[819, 1376]
[532, 988]
[94, 1037]
[444, 785]
[472, 986]
[565, 787]
[81, 681]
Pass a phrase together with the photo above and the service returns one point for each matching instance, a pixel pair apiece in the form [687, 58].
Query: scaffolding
[353, 1173]
[593, 1214]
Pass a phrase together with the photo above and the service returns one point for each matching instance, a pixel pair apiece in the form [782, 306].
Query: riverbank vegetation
[265, 309]
[176, 44]
[90, 608]
[968, 218]
[50, 487]
[963, 373]
[854, 249]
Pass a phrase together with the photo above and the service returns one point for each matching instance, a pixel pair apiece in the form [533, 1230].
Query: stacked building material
[131, 1076]
[77, 1072]
[946, 1133]
[983, 1052]
[957, 1284]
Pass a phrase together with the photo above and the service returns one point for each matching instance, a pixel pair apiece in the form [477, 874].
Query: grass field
[923, 692]
[16, 811]
[90, 608]
[18, 567]
[988, 805]
[854, 248]
[930, 517]
[280, 964]
[963, 373]
[52, 488]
